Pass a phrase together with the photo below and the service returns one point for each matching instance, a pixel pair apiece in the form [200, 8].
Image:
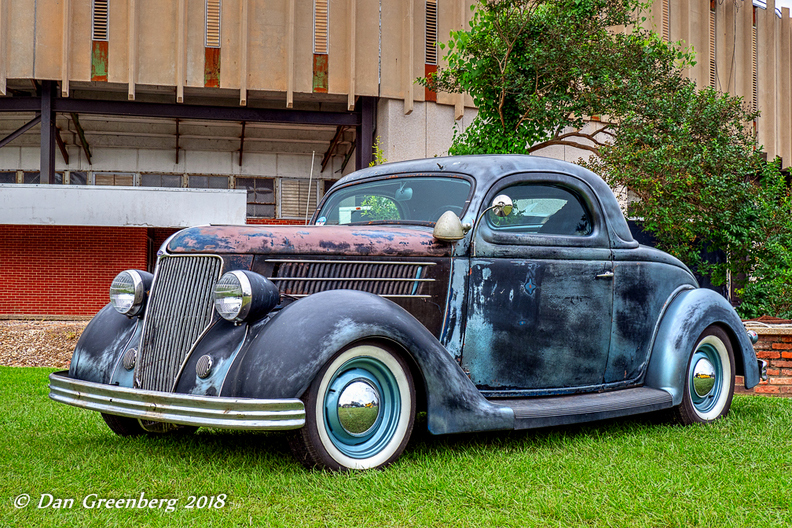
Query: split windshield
[419, 199]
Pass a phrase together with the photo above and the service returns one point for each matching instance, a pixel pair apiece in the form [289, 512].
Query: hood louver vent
[300, 278]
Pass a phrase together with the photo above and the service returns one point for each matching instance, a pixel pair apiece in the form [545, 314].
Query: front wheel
[359, 410]
[709, 381]
[129, 427]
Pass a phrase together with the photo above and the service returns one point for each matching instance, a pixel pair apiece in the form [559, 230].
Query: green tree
[700, 183]
[538, 69]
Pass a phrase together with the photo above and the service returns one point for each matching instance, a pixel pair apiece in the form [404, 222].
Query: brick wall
[64, 270]
[775, 347]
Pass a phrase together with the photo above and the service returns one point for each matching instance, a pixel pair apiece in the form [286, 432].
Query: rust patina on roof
[414, 241]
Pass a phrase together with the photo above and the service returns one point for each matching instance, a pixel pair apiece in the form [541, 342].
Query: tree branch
[551, 142]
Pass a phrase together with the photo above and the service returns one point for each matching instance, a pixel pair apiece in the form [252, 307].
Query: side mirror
[449, 228]
[502, 205]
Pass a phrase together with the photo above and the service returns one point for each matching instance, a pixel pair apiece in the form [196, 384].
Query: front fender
[282, 356]
[101, 345]
[683, 322]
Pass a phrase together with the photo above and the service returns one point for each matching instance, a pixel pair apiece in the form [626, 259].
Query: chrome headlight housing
[244, 295]
[128, 291]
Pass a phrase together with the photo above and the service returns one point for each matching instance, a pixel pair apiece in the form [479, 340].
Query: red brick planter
[775, 347]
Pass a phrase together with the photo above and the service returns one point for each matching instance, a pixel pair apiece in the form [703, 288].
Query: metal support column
[364, 136]
[48, 142]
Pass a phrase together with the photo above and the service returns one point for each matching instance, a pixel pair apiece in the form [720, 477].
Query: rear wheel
[709, 381]
[359, 410]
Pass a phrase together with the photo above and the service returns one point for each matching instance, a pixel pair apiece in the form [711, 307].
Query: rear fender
[683, 322]
[282, 355]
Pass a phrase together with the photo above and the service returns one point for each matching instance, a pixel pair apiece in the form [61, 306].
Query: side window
[544, 210]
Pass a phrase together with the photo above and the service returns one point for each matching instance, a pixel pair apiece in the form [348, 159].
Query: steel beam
[19, 131]
[364, 137]
[219, 113]
[47, 163]
[61, 145]
[327, 155]
[83, 142]
[242, 144]
[182, 111]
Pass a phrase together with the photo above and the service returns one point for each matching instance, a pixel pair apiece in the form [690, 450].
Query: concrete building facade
[124, 120]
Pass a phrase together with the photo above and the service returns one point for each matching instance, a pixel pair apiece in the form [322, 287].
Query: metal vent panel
[320, 27]
[179, 311]
[99, 25]
[712, 64]
[431, 32]
[299, 278]
[754, 67]
[298, 197]
[212, 23]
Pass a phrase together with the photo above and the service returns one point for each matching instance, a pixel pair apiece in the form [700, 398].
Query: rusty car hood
[396, 241]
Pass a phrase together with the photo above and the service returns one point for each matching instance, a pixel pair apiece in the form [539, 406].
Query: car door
[540, 298]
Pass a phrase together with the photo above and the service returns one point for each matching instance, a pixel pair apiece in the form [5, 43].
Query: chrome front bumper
[185, 409]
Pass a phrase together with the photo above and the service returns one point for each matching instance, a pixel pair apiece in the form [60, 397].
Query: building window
[213, 23]
[78, 178]
[160, 180]
[260, 196]
[666, 21]
[8, 177]
[35, 178]
[208, 182]
[126, 179]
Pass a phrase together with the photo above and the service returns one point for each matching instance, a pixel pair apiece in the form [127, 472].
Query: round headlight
[243, 295]
[128, 291]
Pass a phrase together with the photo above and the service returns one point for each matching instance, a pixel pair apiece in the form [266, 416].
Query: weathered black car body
[549, 315]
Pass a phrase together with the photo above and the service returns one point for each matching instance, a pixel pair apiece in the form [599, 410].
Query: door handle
[605, 275]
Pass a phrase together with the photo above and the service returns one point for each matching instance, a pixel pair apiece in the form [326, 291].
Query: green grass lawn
[630, 472]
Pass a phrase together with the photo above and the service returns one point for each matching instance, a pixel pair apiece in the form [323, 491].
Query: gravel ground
[38, 343]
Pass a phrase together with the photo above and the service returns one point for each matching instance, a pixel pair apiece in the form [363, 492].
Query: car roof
[488, 168]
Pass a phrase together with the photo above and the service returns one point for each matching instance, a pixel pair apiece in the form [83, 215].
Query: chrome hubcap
[703, 377]
[706, 380]
[358, 407]
[362, 407]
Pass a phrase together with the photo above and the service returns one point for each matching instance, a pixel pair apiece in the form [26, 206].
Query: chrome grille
[179, 310]
[299, 278]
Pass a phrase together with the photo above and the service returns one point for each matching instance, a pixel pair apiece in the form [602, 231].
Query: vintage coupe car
[491, 292]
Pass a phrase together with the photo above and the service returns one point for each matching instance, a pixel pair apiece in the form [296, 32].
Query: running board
[530, 413]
